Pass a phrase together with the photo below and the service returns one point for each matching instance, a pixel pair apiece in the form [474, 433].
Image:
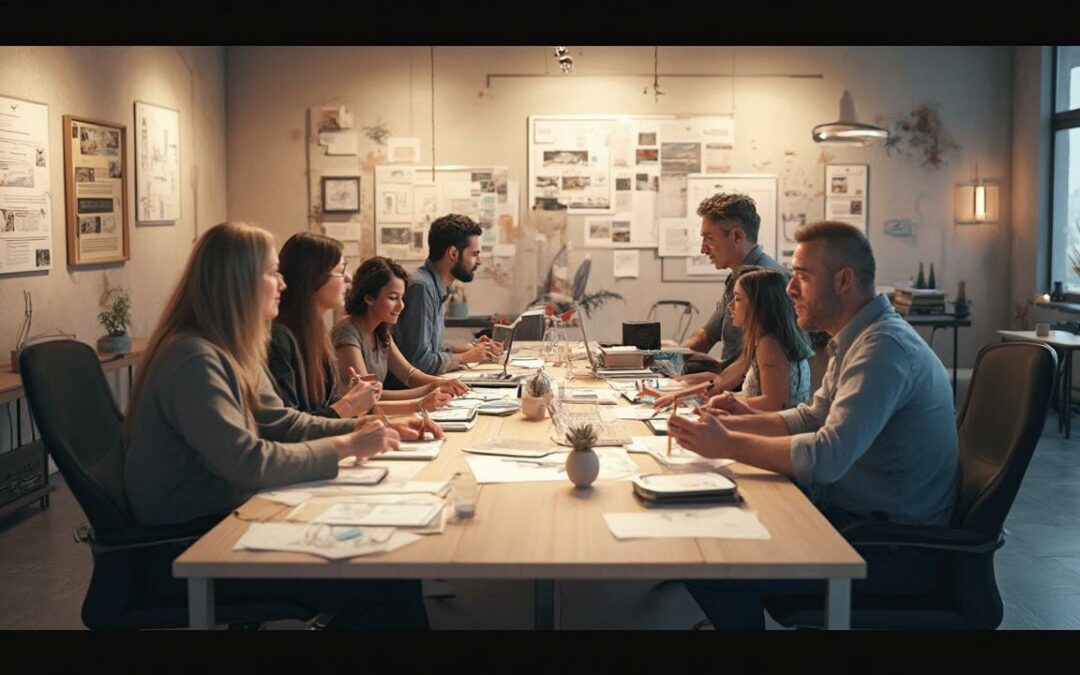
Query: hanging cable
[432, 112]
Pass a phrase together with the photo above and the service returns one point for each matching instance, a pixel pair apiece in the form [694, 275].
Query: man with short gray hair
[729, 232]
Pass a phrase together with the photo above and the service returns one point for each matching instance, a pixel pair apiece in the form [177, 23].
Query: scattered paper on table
[615, 464]
[527, 363]
[722, 522]
[316, 539]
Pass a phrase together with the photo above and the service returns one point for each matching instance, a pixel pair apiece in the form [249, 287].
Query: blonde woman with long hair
[205, 429]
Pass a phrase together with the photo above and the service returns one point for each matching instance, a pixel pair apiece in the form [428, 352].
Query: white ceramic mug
[1042, 329]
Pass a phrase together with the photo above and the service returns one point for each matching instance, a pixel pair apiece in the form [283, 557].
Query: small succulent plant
[539, 385]
[581, 437]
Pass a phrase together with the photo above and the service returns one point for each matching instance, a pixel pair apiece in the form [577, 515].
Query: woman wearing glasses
[205, 430]
[300, 358]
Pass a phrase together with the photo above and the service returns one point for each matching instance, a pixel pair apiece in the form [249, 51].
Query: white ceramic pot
[534, 407]
[582, 467]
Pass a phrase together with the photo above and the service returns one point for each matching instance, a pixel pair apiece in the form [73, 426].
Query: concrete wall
[103, 83]
[270, 89]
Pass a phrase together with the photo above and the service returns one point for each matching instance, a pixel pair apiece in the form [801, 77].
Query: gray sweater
[192, 452]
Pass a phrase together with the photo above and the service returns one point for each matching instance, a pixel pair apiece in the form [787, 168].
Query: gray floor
[43, 573]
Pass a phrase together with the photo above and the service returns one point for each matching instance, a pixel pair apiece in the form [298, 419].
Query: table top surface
[550, 530]
[1057, 338]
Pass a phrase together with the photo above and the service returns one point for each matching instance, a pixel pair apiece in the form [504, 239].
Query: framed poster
[157, 164]
[341, 194]
[95, 187]
[25, 194]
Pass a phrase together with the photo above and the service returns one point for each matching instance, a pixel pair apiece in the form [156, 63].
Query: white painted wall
[270, 89]
[103, 83]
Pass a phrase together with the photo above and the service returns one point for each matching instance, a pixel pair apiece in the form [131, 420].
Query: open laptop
[502, 378]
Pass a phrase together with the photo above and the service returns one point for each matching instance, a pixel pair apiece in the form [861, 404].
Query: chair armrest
[881, 533]
[143, 536]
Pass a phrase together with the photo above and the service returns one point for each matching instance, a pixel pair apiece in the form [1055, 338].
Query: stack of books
[910, 300]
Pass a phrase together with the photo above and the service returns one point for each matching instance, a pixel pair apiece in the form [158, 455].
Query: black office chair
[82, 430]
[999, 426]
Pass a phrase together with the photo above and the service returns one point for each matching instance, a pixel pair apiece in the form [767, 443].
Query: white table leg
[200, 603]
[838, 604]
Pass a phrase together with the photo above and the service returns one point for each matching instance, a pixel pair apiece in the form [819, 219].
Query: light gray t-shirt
[880, 432]
[348, 334]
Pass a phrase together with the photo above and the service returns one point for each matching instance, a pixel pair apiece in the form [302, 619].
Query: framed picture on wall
[95, 186]
[341, 194]
[157, 164]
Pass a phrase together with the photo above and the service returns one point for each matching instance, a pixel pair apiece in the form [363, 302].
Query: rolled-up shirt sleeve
[416, 331]
[875, 377]
[808, 417]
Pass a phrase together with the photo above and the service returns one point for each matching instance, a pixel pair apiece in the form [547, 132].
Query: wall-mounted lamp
[977, 202]
[566, 62]
[846, 131]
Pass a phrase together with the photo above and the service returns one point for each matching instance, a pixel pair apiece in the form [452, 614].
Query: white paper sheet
[340, 142]
[615, 464]
[723, 522]
[527, 363]
[401, 150]
[319, 540]
[384, 511]
[342, 231]
[399, 471]
[626, 264]
[411, 450]
[636, 412]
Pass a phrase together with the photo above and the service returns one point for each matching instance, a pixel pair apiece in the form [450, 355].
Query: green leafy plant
[117, 314]
[590, 302]
[582, 437]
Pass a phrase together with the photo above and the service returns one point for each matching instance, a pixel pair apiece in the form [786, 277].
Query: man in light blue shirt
[878, 441]
[453, 253]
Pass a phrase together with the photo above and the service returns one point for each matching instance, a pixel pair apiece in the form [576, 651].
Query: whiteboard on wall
[409, 198]
[620, 176]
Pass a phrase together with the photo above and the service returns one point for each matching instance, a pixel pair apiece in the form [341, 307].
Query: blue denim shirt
[421, 327]
[880, 432]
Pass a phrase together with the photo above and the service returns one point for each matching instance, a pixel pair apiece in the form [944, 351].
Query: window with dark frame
[1064, 244]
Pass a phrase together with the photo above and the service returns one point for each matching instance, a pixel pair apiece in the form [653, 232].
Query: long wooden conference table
[548, 532]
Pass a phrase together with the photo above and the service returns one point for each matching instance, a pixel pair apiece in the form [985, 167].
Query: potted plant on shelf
[582, 464]
[115, 319]
[458, 306]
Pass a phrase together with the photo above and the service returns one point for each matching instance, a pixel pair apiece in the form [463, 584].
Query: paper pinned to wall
[626, 264]
[402, 150]
[340, 142]
[342, 231]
